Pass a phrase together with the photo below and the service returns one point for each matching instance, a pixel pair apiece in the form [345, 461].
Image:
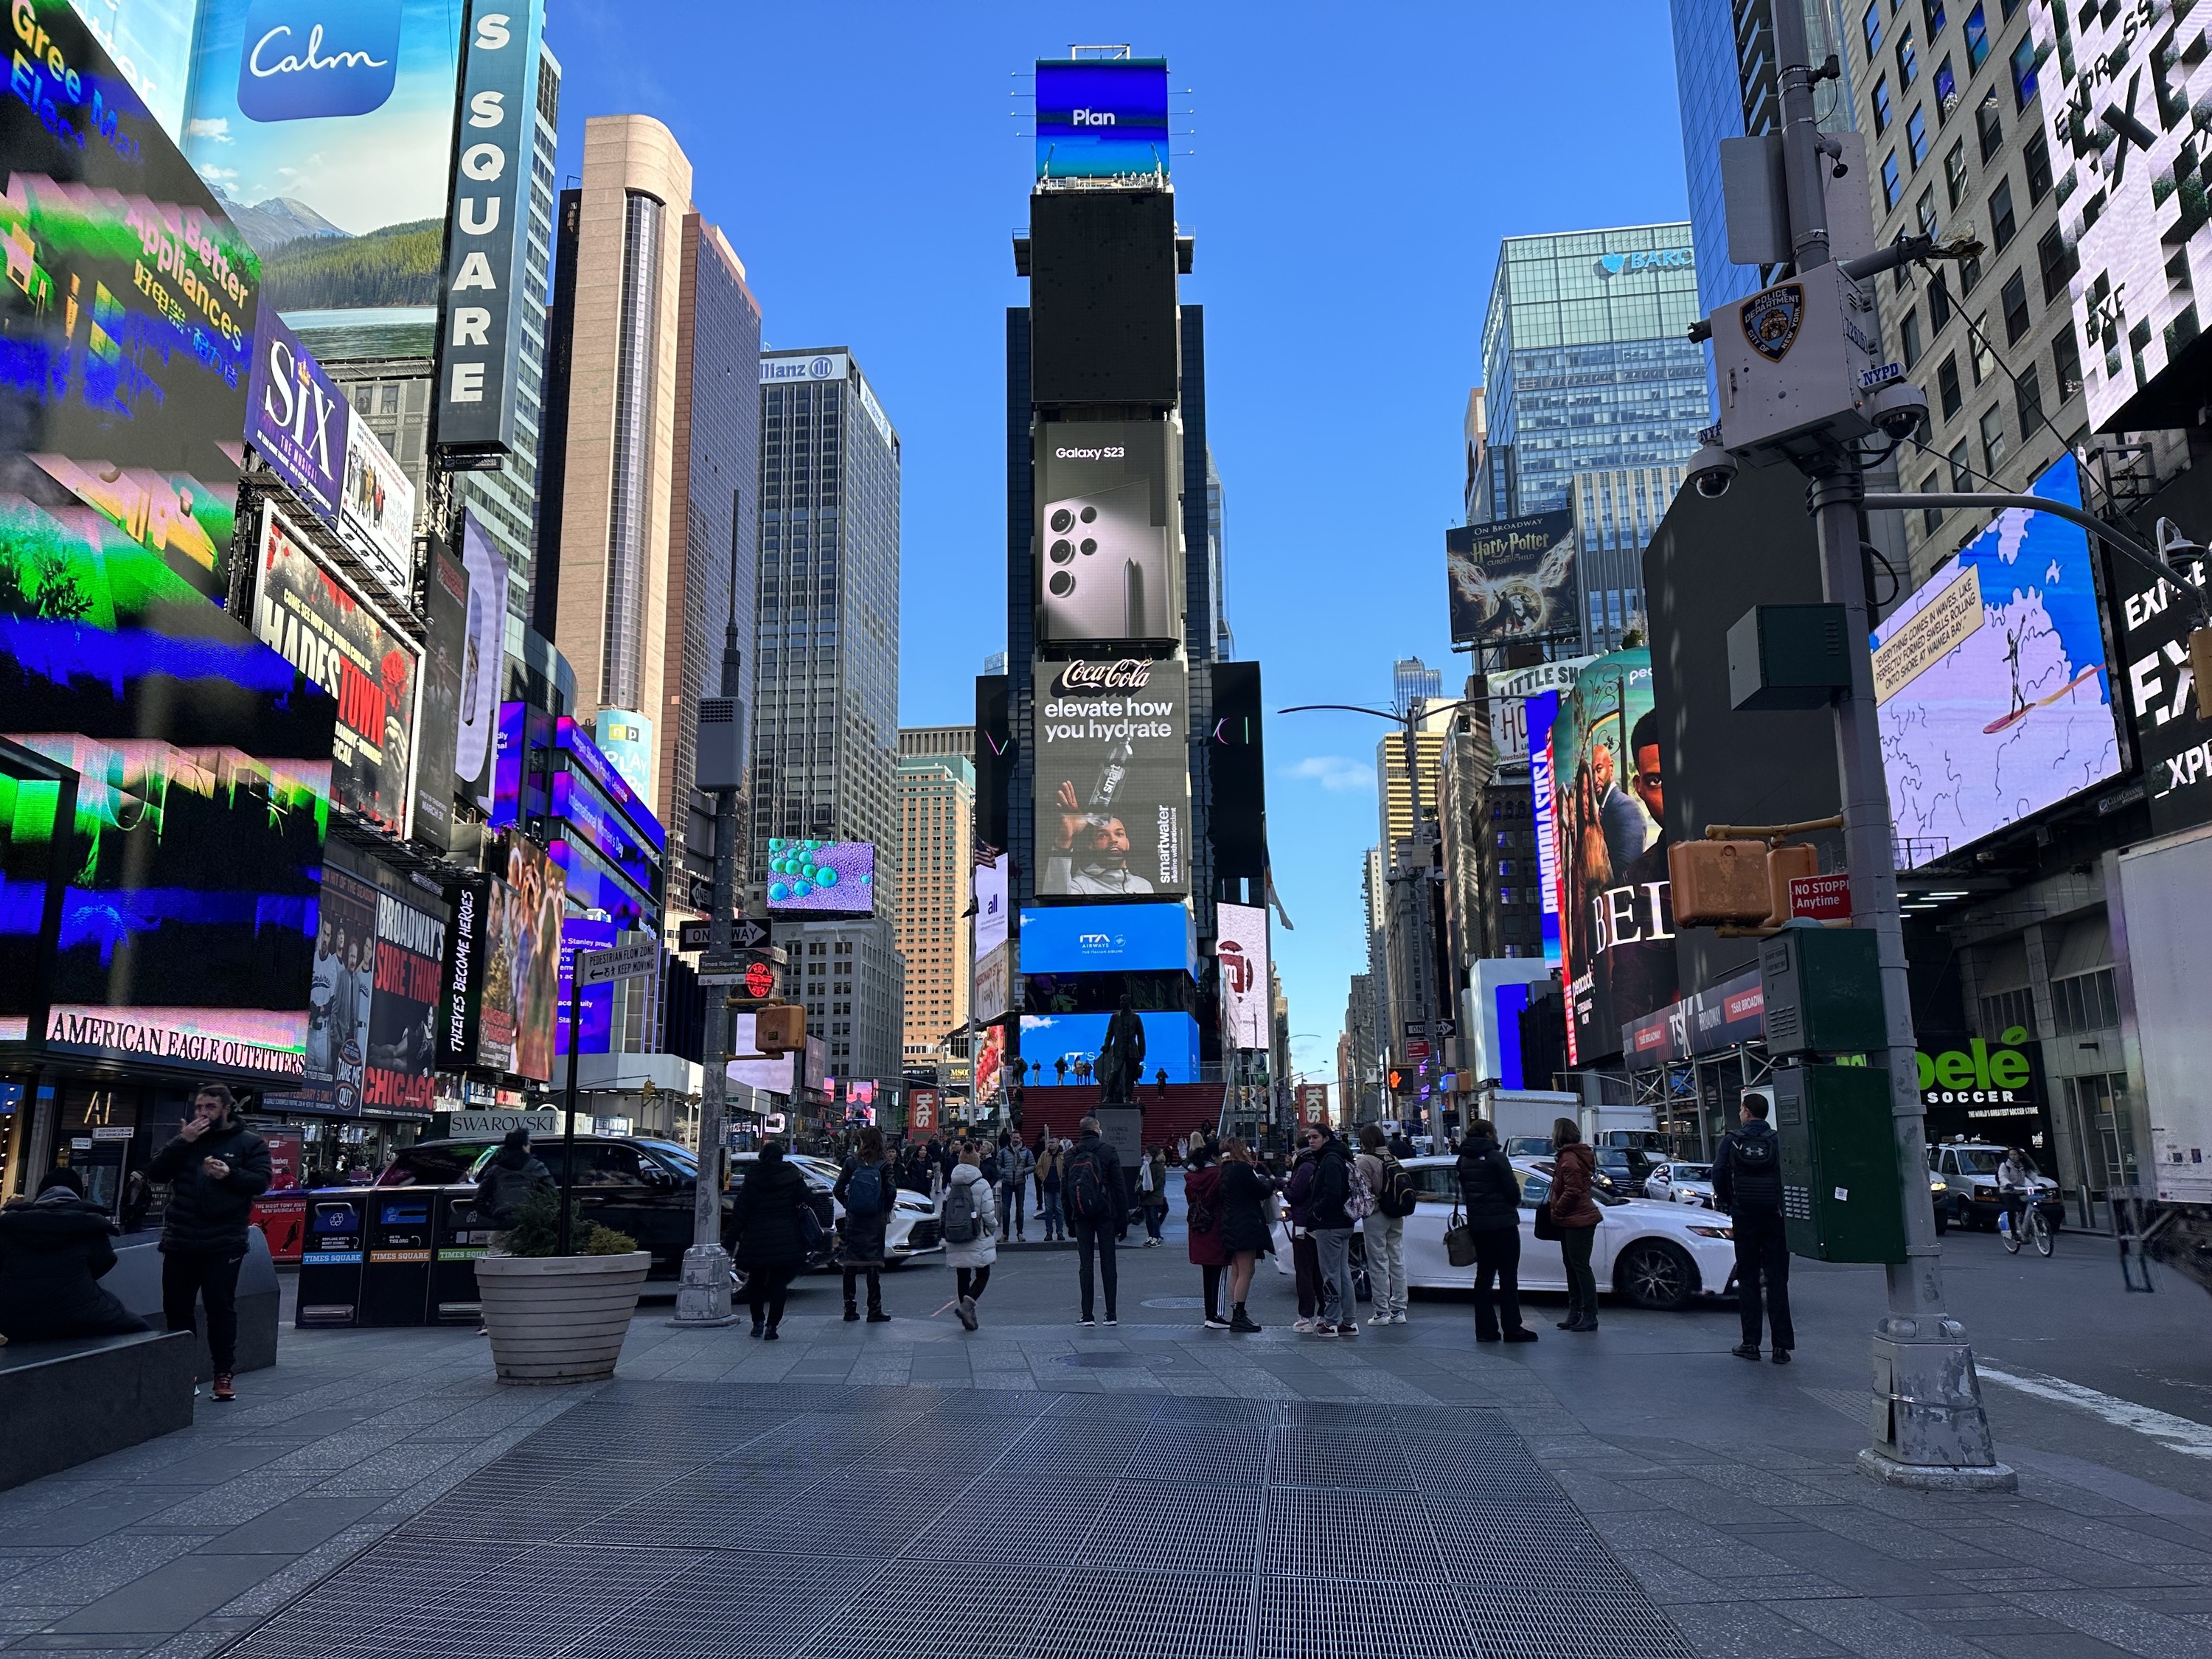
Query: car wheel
[1653, 1273]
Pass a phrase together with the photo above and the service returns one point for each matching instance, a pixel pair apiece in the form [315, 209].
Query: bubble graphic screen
[834, 877]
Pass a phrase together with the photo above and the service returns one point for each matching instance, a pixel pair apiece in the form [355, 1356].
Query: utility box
[1822, 990]
[1787, 656]
[1796, 364]
[1841, 1199]
[719, 756]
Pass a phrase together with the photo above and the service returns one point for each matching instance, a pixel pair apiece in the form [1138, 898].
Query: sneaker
[223, 1392]
[1781, 1357]
[1089, 1322]
[1301, 1325]
[1347, 1329]
[966, 1311]
[1216, 1323]
[1154, 1243]
[1521, 1334]
[1322, 1330]
[1110, 1319]
[878, 1316]
[1746, 1351]
[1241, 1322]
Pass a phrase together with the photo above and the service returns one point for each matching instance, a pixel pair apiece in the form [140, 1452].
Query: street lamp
[1424, 999]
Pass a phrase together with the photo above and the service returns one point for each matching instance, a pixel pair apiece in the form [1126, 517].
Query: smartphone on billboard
[1106, 533]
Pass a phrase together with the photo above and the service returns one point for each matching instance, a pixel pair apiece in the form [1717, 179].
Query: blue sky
[1354, 169]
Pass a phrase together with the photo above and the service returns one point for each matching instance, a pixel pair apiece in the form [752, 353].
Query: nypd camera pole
[1811, 407]
[703, 1295]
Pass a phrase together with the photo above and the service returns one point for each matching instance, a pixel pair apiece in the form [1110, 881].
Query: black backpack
[1085, 1185]
[864, 1192]
[1397, 1198]
[1755, 1163]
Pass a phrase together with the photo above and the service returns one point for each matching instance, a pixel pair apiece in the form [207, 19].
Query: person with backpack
[867, 1191]
[1202, 1197]
[1333, 1205]
[1015, 1164]
[1575, 1214]
[1490, 1192]
[1091, 1188]
[515, 1176]
[1305, 1256]
[1385, 1227]
[1247, 1195]
[1747, 1184]
[969, 1222]
[1152, 1195]
[1049, 1164]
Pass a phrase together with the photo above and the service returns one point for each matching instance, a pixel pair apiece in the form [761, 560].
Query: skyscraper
[651, 441]
[936, 815]
[1413, 681]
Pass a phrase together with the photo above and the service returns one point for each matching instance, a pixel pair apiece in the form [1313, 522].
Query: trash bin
[458, 1236]
[330, 1263]
[395, 1276]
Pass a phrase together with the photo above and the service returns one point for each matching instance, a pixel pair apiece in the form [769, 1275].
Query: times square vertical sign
[487, 235]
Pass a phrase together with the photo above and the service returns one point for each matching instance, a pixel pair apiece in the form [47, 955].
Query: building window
[2055, 261]
[1939, 302]
[2007, 1010]
[1892, 185]
[2012, 298]
[2066, 359]
[1946, 385]
[1978, 39]
[1931, 518]
[1916, 136]
[2036, 154]
[2084, 1002]
[1924, 211]
[1908, 334]
[2031, 400]
[1989, 125]
[1908, 61]
[1931, 13]
[1978, 348]
[2023, 71]
[1969, 274]
[2003, 226]
[1993, 438]
[1962, 471]
[1881, 111]
[1872, 24]
[1947, 91]
[1954, 174]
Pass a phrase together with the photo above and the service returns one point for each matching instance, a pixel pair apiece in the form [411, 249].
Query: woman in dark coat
[771, 1245]
[1245, 1192]
[54, 1249]
[860, 1235]
[1575, 1214]
[1202, 1197]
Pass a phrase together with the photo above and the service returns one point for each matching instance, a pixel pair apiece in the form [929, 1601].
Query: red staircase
[1178, 1110]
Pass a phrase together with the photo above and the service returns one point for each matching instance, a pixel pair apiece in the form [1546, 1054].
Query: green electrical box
[1822, 991]
[1840, 1197]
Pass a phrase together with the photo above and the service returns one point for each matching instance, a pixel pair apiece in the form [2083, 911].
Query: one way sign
[746, 934]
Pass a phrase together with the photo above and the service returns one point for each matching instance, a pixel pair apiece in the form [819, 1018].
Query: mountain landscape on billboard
[395, 266]
[269, 225]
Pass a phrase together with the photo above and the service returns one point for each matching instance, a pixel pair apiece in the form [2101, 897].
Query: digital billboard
[995, 984]
[446, 596]
[595, 1011]
[1512, 579]
[1102, 118]
[503, 963]
[834, 877]
[376, 511]
[770, 1074]
[1241, 949]
[991, 905]
[341, 991]
[2173, 742]
[313, 619]
[37, 803]
[1990, 681]
[481, 661]
[410, 955]
[1509, 698]
[585, 756]
[1100, 939]
[151, 42]
[1107, 540]
[1616, 910]
[1541, 713]
[297, 417]
[625, 738]
[1171, 1044]
[1113, 778]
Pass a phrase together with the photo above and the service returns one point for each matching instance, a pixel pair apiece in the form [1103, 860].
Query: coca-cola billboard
[1113, 778]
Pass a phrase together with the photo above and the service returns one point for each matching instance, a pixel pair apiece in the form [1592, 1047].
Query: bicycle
[2031, 1226]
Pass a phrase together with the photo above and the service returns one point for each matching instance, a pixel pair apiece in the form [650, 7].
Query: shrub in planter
[559, 1318]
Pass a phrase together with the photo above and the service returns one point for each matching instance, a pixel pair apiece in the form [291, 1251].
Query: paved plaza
[1036, 1488]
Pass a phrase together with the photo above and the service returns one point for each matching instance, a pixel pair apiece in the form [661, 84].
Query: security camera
[1712, 470]
[1900, 409]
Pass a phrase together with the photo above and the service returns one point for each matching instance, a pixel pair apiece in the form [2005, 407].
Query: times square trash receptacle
[459, 1235]
[395, 1273]
[330, 1263]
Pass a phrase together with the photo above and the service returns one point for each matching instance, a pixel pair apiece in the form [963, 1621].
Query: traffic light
[1398, 1079]
[779, 1029]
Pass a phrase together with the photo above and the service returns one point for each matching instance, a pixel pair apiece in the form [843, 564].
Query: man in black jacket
[1490, 1192]
[515, 1176]
[54, 1249]
[1097, 1210]
[216, 1167]
[1747, 1184]
[1332, 1230]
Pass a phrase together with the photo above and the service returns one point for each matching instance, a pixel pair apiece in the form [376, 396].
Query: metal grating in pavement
[660, 1518]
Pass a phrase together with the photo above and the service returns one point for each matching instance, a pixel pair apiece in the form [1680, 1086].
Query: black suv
[633, 1183]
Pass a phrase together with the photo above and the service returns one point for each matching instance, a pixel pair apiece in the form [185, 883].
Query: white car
[1651, 1255]
[1676, 1182]
[912, 1229]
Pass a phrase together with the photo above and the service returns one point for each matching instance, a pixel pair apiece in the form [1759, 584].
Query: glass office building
[1587, 363]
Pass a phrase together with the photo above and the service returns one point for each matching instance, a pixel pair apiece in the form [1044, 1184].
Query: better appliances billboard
[1113, 778]
[1991, 682]
[1513, 579]
[1241, 953]
[1107, 539]
[1102, 118]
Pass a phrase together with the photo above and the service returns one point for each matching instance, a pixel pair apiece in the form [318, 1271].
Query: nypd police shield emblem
[1771, 320]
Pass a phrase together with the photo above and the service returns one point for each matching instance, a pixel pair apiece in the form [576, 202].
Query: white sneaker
[1304, 1324]
[1216, 1323]
[1398, 1317]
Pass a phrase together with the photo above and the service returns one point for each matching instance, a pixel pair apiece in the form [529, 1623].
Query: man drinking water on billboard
[1101, 840]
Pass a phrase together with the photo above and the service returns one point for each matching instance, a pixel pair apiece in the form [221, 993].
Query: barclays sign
[1632, 264]
[820, 366]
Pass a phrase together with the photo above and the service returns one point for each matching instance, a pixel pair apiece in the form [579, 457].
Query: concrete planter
[559, 1318]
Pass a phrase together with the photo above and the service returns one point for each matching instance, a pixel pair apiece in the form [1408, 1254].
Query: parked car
[1650, 1254]
[1622, 1170]
[1939, 1195]
[1678, 1182]
[1970, 1171]
[1529, 1146]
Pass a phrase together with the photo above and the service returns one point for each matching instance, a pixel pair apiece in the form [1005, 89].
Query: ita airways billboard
[1991, 682]
[1102, 118]
[1241, 953]
[1113, 778]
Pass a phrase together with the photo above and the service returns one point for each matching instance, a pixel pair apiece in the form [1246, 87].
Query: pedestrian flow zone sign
[623, 962]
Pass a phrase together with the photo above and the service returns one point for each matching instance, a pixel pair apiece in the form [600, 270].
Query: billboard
[1990, 681]
[991, 906]
[2173, 743]
[311, 619]
[439, 729]
[485, 651]
[1102, 118]
[38, 805]
[1512, 579]
[132, 300]
[1171, 1044]
[833, 878]
[376, 511]
[342, 990]
[1099, 938]
[1540, 714]
[595, 1012]
[487, 236]
[585, 757]
[403, 1060]
[995, 984]
[1616, 909]
[1107, 537]
[503, 963]
[1509, 697]
[1113, 778]
[625, 738]
[297, 417]
[151, 43]
[771, 1075]
[1247, 1019]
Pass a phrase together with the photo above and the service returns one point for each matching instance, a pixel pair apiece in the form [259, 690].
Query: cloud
[219, 173]
[217, 128]
[1338, 774]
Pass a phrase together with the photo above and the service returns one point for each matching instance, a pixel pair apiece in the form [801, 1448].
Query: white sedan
[912, 1229]
[1679, 1182]
[1651, 1255]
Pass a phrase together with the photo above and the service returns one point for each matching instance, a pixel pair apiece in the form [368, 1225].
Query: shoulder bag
[1459, 1240]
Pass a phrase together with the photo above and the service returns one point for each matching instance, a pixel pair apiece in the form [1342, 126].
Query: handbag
[1546, 1229]
[1459, 1241]
[810, 1235]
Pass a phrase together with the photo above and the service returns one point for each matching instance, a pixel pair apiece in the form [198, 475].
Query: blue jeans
[1333, 1247]
[1009, 1209]
[1055, 1226]
[1154, 1215]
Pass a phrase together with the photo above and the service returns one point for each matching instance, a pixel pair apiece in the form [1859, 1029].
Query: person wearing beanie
[54, 1250]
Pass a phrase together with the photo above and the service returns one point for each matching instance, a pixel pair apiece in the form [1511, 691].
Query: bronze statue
[1121, 1059]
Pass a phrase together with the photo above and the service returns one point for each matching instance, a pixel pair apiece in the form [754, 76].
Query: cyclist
[2015, 1185]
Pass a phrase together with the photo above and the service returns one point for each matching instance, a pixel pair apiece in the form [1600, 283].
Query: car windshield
[1689, 1172]
[1983, 1160]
